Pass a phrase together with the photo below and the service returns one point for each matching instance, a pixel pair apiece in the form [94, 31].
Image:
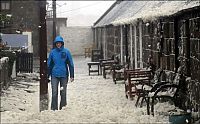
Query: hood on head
[59, 39]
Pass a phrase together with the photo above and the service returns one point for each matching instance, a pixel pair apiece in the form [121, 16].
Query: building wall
[29, 45]
[49, 35]
[168, 43]
[26, 18]
[60, 22]
[77, 38]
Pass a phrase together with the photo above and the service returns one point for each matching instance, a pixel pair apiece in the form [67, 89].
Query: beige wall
[77, 38]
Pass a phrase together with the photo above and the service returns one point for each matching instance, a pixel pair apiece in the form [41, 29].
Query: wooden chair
[118, 72]
[118, 69]
[88, 52]
[107, 67]
[101, 64]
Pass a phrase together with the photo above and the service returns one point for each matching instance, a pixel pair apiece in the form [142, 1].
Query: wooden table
[90, 64]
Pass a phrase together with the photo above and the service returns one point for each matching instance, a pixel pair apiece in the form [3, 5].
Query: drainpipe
[121, 43]
[104, 42]
[131, 40]
[135, 46]
[126, 42]
[140, 40]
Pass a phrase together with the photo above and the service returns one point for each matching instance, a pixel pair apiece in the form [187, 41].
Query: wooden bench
[92, 70]
[155, 84]
[165, 90]
[135, 77]
[169, 91]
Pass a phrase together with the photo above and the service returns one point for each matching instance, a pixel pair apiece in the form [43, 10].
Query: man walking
[60, 65]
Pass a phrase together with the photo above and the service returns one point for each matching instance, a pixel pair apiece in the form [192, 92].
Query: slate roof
[128, 12]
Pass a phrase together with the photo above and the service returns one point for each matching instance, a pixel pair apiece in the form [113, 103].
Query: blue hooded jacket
[60, 61]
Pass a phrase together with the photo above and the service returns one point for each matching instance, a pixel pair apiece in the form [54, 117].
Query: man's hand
[71, 79]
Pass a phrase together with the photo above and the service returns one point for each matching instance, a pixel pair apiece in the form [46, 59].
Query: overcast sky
[82, 13]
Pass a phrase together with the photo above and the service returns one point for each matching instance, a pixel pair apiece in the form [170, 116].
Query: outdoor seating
[107, 67]
[164, 90]
[156, 82]
[93, 69]
[168, 91]
[94, 65]
[101, 64]
[118, 72]
[134, 78]
[88, 52]
[96, 55]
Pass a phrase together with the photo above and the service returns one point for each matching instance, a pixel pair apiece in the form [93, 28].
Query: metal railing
[24, 62]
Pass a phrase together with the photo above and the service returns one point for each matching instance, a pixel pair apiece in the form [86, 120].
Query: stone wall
[77, 38]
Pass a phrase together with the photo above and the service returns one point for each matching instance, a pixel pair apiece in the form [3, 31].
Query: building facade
[19, 16]
[165, 33]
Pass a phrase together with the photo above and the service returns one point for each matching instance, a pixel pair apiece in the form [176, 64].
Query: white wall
[77, 38]
[29, 45]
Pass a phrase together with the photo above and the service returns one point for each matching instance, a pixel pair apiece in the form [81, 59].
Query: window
[5, 5]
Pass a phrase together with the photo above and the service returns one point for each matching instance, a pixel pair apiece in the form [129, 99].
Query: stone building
[165, 33]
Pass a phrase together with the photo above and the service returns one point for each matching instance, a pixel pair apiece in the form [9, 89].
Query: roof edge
[107, 11]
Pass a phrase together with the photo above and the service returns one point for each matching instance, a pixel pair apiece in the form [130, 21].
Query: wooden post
[43, 57]
[176, 43]
[140, 42]
[126, 44]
